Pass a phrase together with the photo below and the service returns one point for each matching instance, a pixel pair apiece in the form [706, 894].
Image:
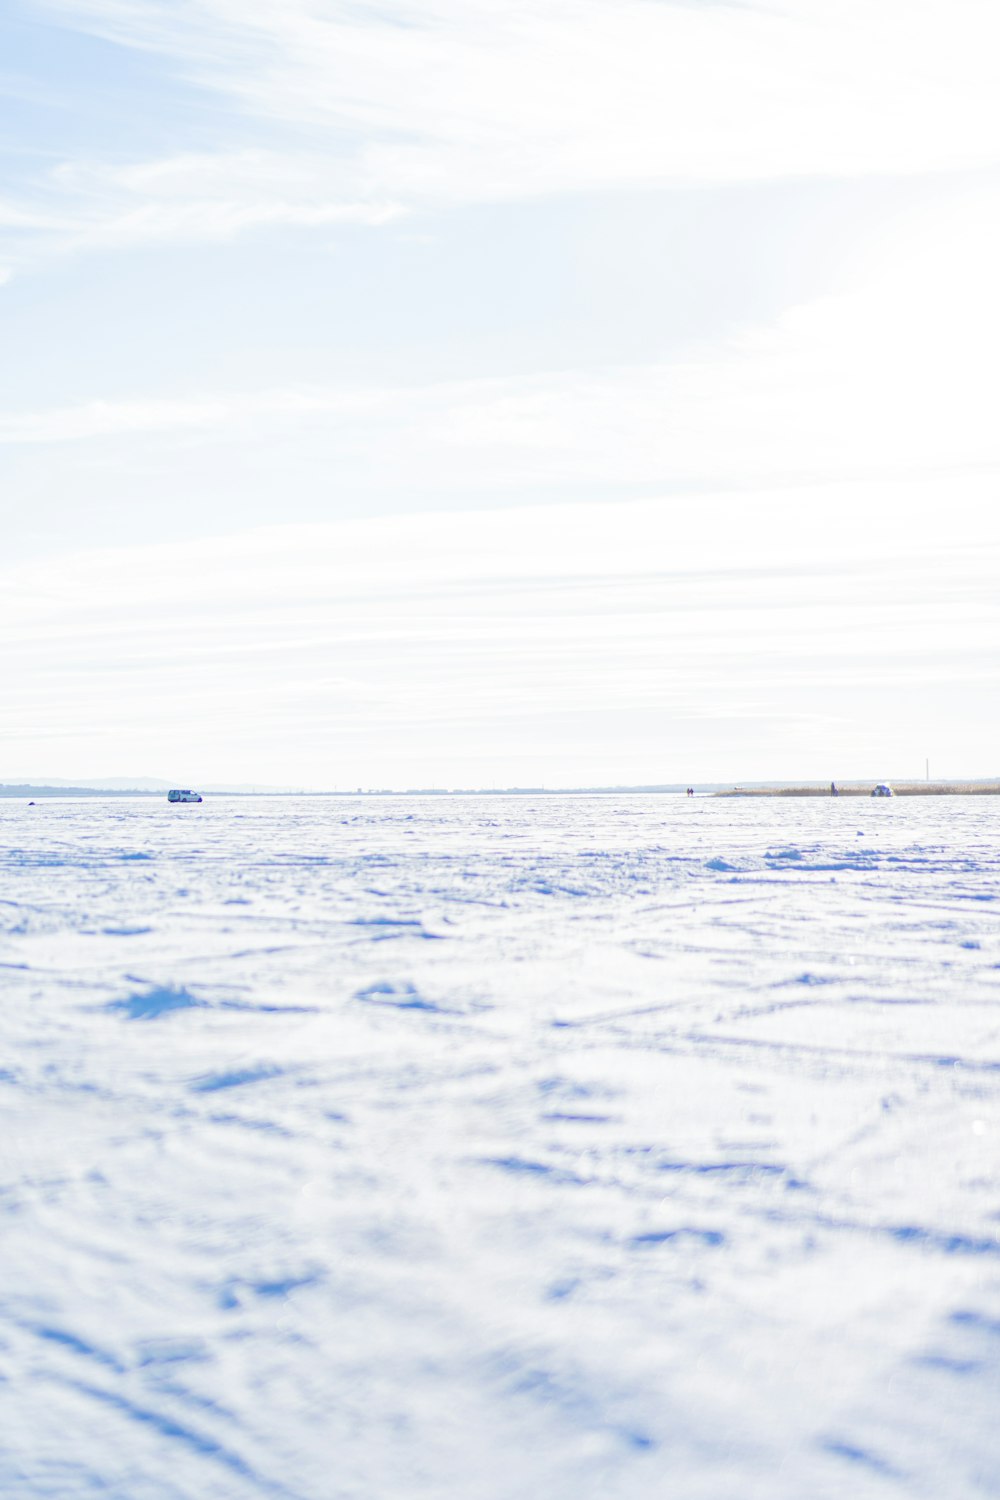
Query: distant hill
[124, 786]
[66, 789]
[106, 783]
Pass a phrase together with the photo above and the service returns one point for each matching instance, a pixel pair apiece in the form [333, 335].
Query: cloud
[473, 100]
[492, 97]
[236, 411]
[893, 375]
[578, 642]
[187, 199]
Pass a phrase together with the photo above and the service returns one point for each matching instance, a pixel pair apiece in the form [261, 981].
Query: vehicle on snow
[183, 794]
[882, 790]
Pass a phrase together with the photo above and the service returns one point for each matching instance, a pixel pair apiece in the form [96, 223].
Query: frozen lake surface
[500, 1149]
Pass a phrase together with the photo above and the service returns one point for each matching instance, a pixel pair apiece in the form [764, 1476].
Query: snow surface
[572, 1148]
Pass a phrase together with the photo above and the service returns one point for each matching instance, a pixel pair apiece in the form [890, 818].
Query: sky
[484, 393]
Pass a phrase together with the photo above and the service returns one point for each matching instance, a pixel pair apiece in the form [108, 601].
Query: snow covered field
[500, 1149]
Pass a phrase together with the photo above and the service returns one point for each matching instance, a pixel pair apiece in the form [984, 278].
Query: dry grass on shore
[864, 789]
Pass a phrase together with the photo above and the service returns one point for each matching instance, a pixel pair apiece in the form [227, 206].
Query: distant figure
[833, 789]
[690, 791]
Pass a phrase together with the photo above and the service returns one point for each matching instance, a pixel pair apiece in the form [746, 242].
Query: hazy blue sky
[467, 392]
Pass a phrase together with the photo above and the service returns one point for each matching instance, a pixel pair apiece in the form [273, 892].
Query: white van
[178, 795]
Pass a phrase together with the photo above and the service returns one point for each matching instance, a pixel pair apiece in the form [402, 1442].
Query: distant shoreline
[13, 791]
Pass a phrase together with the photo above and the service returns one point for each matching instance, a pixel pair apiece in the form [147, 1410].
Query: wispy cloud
[574, 643]
[466, 100]
[192, 198]
[485, 96]
[891, 376]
